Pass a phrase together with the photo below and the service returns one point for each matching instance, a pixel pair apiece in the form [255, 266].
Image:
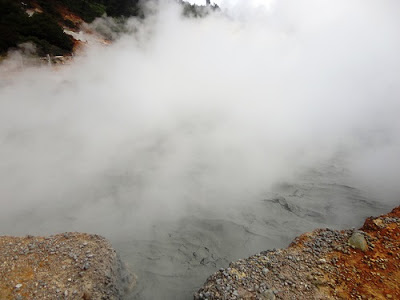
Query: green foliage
[117, 8]
[49, 7]
[197, 11]
[17, 27]
[192, 10]
[8, 38]
[70, 24]
[87, 10]
[44, 28]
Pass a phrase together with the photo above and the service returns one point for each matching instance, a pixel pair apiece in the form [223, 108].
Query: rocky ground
[63, 266]
[323, 264]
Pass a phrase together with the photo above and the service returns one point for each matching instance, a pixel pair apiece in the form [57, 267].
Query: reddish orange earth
[375, 273]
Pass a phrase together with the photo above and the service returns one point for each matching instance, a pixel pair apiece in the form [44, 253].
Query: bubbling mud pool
[177, 257]
[174, 255]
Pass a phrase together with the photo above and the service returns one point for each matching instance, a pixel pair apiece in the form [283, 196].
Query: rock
[85, 266]
[46, 273]
[268, 295]
[322, 261]
[357, 240]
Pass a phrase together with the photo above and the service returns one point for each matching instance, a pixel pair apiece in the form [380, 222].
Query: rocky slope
[63, 266]
[323, 264]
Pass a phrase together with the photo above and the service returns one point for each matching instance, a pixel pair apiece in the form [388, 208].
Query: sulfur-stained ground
[319, 265]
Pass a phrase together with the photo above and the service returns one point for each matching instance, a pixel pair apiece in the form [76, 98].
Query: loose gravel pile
[324, 264]
[63, 266]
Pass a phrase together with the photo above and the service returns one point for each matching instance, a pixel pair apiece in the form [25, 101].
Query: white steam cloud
[202, 112]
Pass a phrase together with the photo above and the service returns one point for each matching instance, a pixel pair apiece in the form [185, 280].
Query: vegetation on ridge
[17, 27]
[44, 27]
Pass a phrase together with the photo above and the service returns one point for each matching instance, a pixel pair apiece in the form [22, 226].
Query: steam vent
[323, 264]
[63, 266]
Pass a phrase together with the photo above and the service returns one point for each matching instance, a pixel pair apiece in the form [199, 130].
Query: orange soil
[375, 273]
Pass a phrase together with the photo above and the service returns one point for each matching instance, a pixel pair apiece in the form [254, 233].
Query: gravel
[63, 266]
[323, 264]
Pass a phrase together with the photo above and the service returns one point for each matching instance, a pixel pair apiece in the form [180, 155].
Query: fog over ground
[208, 113]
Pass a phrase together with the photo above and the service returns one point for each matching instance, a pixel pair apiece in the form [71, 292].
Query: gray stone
[357, 240]
[268, 295]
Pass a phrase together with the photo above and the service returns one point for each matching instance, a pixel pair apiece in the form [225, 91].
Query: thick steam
[185, 112]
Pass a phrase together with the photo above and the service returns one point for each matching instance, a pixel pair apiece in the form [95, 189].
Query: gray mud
[175, 260]
[173, 256]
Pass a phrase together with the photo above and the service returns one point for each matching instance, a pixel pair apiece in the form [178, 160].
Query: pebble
[85, 266]
[322, 261]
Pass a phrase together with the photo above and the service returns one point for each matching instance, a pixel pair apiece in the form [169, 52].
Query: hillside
[42, 22]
